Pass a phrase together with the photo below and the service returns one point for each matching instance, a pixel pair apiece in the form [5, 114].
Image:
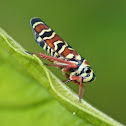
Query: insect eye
[88, 70]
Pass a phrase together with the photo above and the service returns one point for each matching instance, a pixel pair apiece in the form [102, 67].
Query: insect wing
[49, 40]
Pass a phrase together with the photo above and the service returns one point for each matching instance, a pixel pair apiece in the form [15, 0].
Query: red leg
[50, 58]
[37, 54]
[74, 79]
[64, 72]
[82, 87]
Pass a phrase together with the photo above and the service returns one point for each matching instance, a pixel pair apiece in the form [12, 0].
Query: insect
[74, 67]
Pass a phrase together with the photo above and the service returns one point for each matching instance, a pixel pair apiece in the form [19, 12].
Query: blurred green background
[95, 29]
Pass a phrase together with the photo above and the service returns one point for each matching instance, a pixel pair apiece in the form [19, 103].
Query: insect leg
[64, 72]
[74, 79]
[37, 54]
[67, 76]
[50, 60]
[72, 65]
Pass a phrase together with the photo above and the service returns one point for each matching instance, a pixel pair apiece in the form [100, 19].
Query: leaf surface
[24, 100]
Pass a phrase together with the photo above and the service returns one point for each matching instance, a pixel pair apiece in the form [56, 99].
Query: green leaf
[23, 101]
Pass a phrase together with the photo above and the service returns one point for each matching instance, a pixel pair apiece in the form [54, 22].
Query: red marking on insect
[65, 52]
[74, 52]
[86, 62]
[40, 27]
[51, 41]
